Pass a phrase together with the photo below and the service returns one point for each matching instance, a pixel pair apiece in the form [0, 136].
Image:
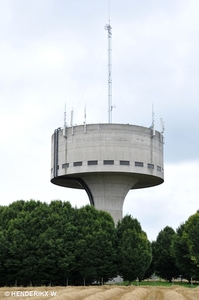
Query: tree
[192, 234]
[163, 260]
[4, 248]
[54, 243]
[95, 249]
[134, 249]
[37, 245]
[185, 247]
[151, 270]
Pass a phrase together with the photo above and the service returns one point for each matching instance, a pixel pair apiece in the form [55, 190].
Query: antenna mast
[65, 124]
[108, 27]
[65, 116]
[153, 122]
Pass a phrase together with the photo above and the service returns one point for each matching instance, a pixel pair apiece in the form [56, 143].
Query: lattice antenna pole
[108, 27]
[65, 124]
[153, 121]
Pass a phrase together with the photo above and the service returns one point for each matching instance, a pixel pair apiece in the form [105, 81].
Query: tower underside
[107, 160]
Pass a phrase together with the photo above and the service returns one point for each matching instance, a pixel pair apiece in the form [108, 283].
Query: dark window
[108, 162]
[64, 166]
[92, 162]
[125, 162]
[158, 168]
[139, 164]
[77, 163]
[150, 166]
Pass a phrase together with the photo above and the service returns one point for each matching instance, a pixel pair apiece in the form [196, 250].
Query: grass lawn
[162, 283]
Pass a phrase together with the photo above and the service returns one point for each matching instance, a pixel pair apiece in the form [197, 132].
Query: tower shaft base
[109, 191]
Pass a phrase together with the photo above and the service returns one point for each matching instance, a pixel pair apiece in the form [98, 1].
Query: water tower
[107, 160]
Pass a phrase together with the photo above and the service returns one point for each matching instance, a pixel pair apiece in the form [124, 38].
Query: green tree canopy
[151, 270]
[36, 242]
[134, 249]
[50, 243]
[186, 247]
[163, 261]
[95, 247]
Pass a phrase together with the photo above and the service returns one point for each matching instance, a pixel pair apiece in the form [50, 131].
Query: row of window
[111, 162]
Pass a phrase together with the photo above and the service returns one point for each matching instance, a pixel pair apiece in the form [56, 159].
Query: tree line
[176, 253]
[42, 244]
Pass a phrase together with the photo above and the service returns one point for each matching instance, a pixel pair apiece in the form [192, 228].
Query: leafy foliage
[54, 243]
[185, 247]
[163, 261]
[94, 245]
[48, 243]
[134, 249]
[35, 246]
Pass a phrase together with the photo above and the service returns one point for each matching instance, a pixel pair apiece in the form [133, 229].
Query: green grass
[160, 283]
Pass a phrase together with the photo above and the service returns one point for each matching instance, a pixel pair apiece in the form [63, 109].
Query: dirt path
[100, 293]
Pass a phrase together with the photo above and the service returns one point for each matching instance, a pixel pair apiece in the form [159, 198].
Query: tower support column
[109, 191]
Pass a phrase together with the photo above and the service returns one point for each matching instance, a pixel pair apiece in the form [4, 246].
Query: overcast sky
[54, 52]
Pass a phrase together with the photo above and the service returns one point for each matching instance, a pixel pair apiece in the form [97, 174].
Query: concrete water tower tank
[107, 160]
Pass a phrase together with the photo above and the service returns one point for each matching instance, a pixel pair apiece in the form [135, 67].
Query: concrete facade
[107, 160]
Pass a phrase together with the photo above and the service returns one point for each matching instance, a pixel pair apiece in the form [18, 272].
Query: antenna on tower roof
[162, 125]
[85, 119]
[65, 116]
[163, 129]
[153, 122]
[71, 121]
[65, 124]
[110, 107]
